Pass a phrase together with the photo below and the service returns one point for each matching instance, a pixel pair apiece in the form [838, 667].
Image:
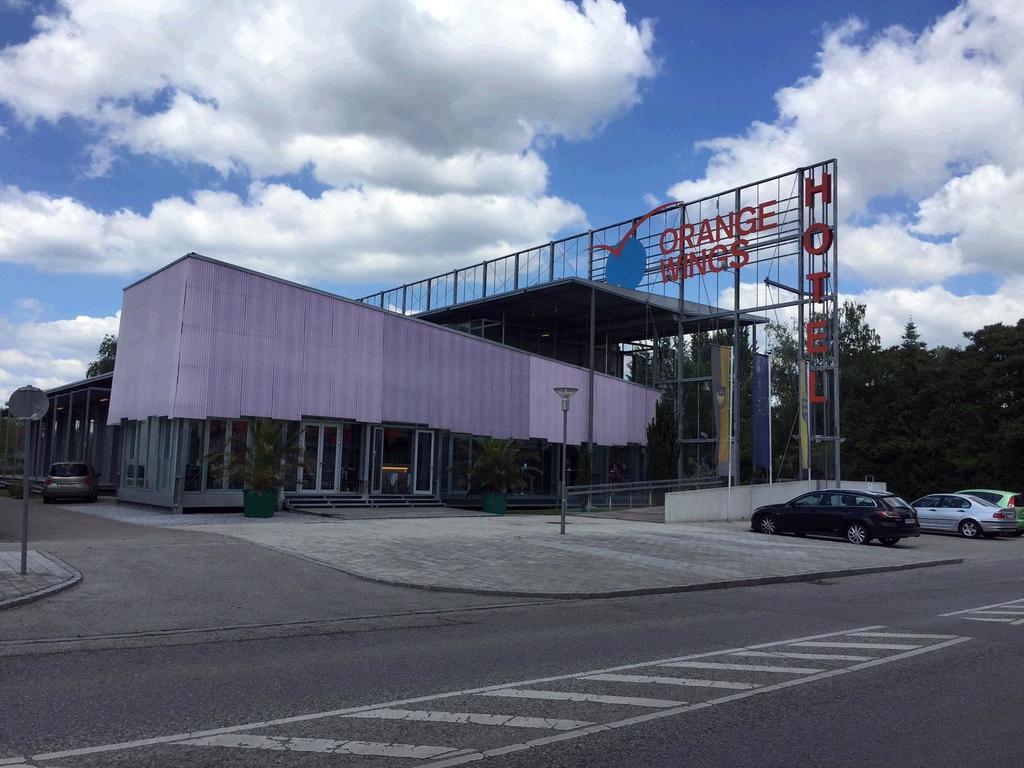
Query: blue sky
[84, 157]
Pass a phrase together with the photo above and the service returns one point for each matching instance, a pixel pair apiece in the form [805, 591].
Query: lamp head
[565, 393]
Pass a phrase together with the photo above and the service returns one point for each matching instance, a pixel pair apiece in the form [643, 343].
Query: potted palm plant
[270, 456]
[500, 468]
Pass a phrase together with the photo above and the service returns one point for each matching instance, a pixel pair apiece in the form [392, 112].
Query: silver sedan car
[962, 513]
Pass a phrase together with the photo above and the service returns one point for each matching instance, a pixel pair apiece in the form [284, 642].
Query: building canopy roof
[626, 315]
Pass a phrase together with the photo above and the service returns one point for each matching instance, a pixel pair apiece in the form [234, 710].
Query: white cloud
[941, 316]
[887, 253]
[426, 120]
[343, 235]
[254, 84]
[929, 117]
[983, 209]
[47, 354]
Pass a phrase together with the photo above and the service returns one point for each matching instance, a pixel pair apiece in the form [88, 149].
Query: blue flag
[762, 414]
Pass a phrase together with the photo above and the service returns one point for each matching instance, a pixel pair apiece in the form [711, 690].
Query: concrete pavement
[44, 575]
[523, 555]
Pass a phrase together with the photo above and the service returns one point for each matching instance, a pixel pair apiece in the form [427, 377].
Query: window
[217, 455]
[895, 502]
[238, 448]
[927, 501]
[810, 500]
[195, 437]
[993, 497]
[981, 502]
[863, 501]
[69, 470]
[953, 502]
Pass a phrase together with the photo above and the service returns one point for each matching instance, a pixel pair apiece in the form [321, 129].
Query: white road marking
[803, 656]
[528, 693]
[743, 667]
[329, 746]
[986, 618]
[999, 611]
[179, 738]
[473, 718]
[905, 635]
[879, 646]
[684, 681]
[446, 762]
[983, 607]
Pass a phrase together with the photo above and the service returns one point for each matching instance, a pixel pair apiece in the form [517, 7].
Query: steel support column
[836, 434]
[680, 372]
[590, 382]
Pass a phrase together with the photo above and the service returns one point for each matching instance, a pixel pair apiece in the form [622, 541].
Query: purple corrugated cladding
[203, 339]
[149, 338]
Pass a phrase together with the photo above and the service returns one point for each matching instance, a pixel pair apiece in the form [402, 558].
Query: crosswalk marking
[743, 667]
[905, 635]
[528, 693]
[714, 693]
[1007, 604]
[879, 646]
[473, 718]
[329, 746]
[683, 681]
[802, 656]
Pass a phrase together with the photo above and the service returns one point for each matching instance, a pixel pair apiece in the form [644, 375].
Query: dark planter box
[260, 503]
[495, 503]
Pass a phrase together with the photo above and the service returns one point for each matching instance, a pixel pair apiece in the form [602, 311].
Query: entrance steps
[328, 501]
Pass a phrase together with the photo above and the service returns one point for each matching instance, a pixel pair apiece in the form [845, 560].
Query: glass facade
[346, 458]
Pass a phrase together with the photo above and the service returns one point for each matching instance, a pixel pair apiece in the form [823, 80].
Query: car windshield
[895, 502]
[69, 470]
[979, 500]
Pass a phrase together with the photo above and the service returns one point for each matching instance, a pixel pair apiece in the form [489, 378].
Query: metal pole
[565, 425]
[680, 374]
[590, 381]
[24, 500]
[837, 444]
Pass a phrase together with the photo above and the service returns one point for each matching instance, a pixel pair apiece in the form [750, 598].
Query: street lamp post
[565, 393]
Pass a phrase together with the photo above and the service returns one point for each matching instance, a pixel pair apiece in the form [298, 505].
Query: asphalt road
[862, 671]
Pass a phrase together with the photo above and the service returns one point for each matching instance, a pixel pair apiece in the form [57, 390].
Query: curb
[701, 587]
[39, 594]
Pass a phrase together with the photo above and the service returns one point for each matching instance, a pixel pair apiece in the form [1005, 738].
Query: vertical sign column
[820, 371]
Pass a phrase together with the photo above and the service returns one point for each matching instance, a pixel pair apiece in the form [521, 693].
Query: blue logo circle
[627, 269]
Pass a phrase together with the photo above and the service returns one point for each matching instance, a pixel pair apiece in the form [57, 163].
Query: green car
[1008, 499]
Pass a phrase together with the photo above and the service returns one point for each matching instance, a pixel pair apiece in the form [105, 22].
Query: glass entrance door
[424, 461]
[403, 461]
[320, 454]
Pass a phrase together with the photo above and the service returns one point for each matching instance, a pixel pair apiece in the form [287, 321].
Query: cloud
[343, 235]
[426, 121]
[941, 316]
[983, 210]
[47, 354]
[270, 85]
[924, 120]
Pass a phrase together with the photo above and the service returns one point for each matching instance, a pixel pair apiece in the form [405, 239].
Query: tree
[662, 442]
[104, 362]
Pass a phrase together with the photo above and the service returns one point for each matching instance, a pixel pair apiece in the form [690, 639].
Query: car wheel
[767, 524]
[890, 541]
[857, 533]
[970, 529]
